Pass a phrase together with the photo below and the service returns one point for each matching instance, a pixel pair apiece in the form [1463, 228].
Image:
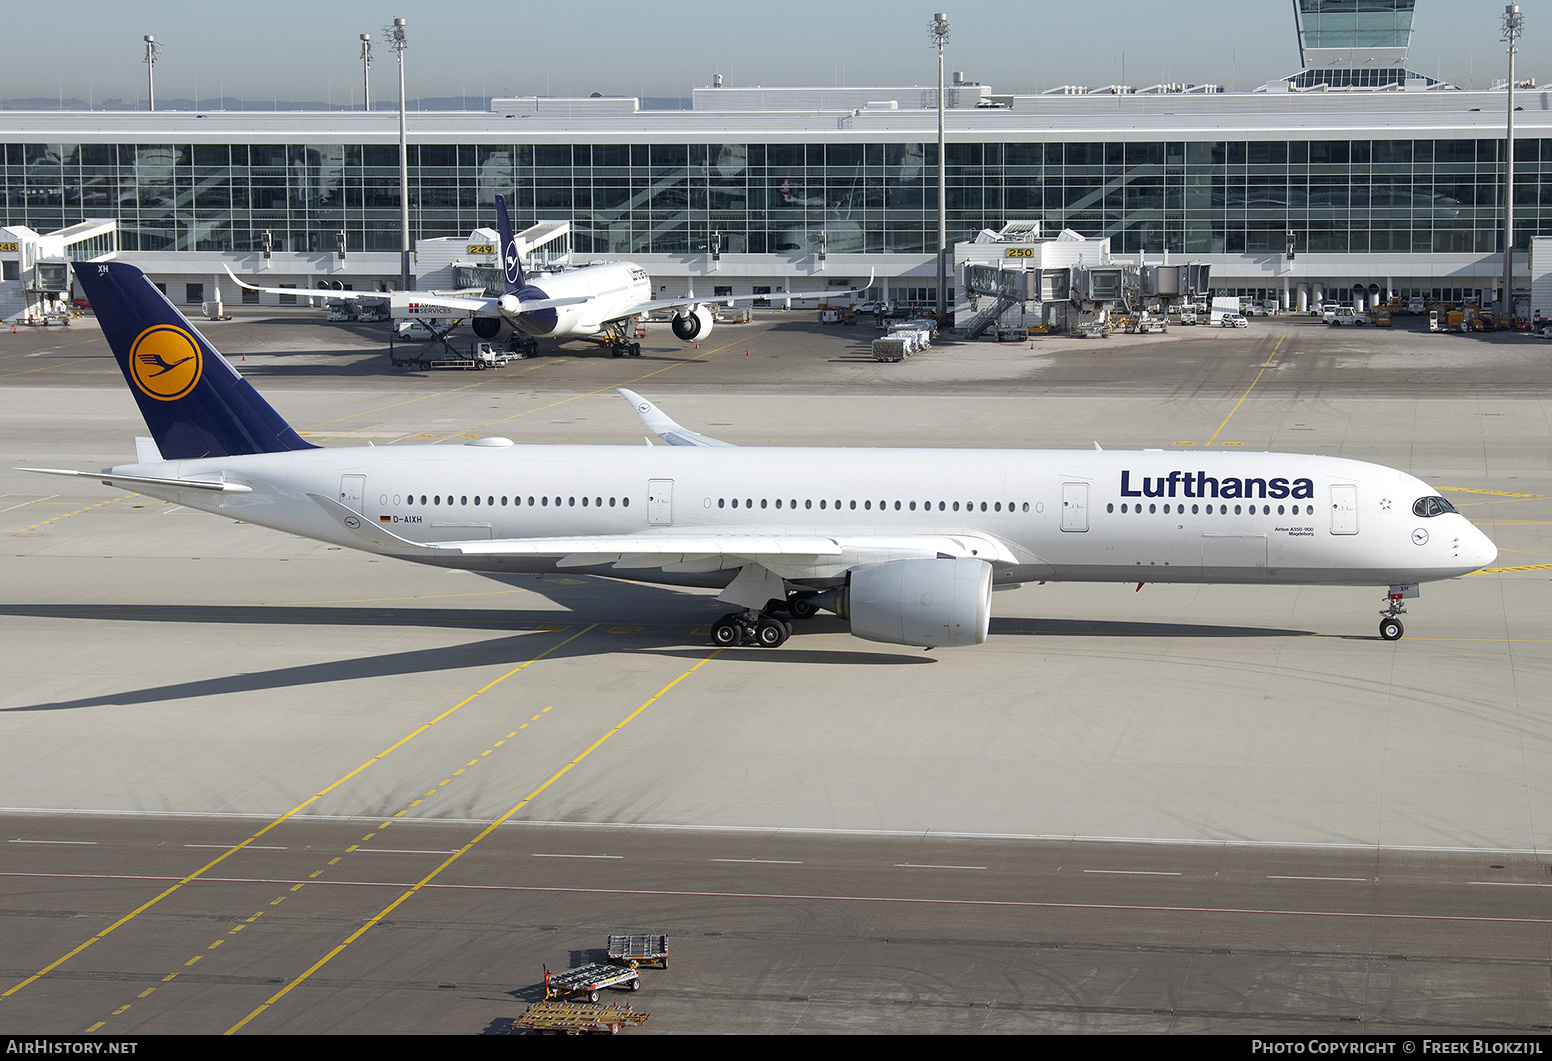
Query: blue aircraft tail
[195, 404]
[511, 261]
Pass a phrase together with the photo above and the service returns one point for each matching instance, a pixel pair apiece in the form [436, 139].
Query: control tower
[1355, 44]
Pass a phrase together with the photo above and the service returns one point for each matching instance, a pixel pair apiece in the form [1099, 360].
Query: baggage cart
[589, 980]
[573, 1018]
[638, 950]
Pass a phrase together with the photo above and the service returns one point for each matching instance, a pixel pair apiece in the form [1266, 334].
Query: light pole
[399, 43]
[1513, 23]
[366, 71]
[153, 49]
[938, 28]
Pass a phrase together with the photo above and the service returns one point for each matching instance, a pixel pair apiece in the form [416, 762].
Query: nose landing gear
[1390, 626]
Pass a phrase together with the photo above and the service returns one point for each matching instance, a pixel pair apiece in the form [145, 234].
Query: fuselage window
[530, 502]
[625, 502]
[503, 500]
[437, 499]
[808, 504]
[942, 506]
[584, 502]
[762, 502]
[476, 499]
[1152, 509]
[778, 502]
[1194, 510]
[1110, 508]
[897, 506]
[545, 501]
[1026, 506]
[611, 502]
[721, 502]
[462, 500]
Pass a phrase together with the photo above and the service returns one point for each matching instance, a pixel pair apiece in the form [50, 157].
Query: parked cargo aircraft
[906, 544]
[596, 301]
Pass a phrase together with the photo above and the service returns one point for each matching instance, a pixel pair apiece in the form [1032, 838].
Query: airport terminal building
[1388, 182]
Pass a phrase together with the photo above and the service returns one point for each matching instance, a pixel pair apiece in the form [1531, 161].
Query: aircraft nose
[1479, 549]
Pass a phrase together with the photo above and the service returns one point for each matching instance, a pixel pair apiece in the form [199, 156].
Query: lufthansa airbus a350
[905, 544]
[596, 302]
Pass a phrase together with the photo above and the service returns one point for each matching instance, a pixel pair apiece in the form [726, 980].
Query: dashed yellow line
[456, 855]
[288, 815]
[1502, 570]
[77, 512]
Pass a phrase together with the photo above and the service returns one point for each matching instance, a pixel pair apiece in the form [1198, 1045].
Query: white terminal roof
[808, 115]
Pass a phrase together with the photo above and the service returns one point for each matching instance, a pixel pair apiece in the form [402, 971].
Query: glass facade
[1355, 23]
[1192, 197]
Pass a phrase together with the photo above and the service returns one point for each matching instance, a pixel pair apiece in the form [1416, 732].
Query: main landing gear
[769, 628]
[614, 338]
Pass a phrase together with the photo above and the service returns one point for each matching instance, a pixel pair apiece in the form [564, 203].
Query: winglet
[665, 428]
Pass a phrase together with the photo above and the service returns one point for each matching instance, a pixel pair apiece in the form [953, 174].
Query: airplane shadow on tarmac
[565, 635]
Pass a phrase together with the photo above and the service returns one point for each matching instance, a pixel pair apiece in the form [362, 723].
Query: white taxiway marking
[538, 855]
[915, 865]
[1137, 872]
[89, 843]
[760, 861]
[1278, 876]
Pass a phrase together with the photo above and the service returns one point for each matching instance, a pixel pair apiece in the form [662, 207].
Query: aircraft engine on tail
[931, 603]
[695, 324]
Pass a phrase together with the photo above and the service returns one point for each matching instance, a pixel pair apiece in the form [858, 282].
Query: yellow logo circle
[165, 362]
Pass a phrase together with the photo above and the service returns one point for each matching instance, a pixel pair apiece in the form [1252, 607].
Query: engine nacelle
[930, 603]
[508, 304]
[693, 325]
[486, 327]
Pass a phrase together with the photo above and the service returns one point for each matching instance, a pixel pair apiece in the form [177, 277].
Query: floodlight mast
[938, 28]
[399, 42]
[153, 49]
[366, 71]
[1513, 25]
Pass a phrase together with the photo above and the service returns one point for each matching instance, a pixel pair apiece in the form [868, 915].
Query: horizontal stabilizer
[109, 477]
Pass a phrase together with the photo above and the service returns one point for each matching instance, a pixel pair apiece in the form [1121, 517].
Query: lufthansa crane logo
[165, 362]
[511, 260]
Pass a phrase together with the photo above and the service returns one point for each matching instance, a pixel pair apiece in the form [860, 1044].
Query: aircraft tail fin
[195, 404]
[511, 260]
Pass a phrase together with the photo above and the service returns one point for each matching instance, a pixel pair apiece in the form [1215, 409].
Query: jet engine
[486, 327]
[693, 325]
[931, 603]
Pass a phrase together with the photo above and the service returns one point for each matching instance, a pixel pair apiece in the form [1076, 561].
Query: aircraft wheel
[1391, 629]
[615, 351]
[635, 349]
[772, 633]
[725, 632]
[802, 607]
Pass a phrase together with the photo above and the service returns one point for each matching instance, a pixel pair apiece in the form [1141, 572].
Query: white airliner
[596, 301]
[906, 544]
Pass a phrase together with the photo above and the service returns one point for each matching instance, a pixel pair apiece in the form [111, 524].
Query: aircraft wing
[787, 555]
[688, 301]
[664, 427]
[449, 302]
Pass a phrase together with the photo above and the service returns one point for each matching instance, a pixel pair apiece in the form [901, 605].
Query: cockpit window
[1431, 506]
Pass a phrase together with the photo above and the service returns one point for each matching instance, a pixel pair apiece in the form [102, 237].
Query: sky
[310, 51]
